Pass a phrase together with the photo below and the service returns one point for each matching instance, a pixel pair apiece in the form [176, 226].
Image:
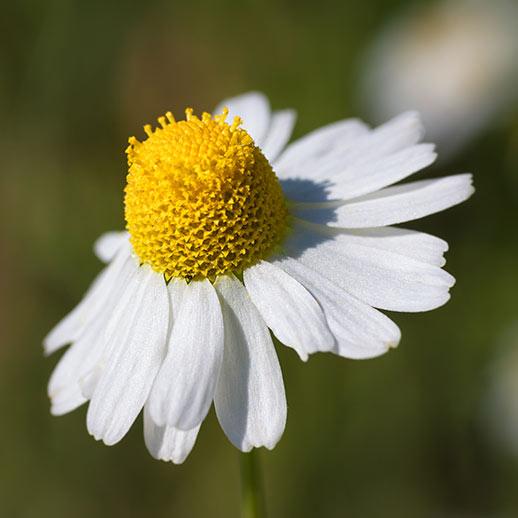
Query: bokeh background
[412, 433]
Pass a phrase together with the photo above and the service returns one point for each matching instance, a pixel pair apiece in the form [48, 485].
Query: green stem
[252, 496]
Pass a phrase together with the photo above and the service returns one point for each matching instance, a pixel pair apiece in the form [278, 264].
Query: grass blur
[401, 435]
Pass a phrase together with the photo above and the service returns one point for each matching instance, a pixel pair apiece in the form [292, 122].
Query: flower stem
[252, 496]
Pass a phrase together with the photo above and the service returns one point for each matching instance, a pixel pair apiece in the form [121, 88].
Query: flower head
[233, 235]
[201, 200]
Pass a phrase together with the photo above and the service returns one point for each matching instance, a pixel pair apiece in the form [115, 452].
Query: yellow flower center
[201, 198]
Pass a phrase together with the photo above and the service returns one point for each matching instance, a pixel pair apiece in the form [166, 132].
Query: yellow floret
[201, 198]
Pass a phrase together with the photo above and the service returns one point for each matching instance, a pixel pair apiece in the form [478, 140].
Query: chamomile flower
[453, 60]
[234, 235]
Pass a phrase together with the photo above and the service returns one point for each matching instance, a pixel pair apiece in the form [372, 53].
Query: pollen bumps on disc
[201, 199]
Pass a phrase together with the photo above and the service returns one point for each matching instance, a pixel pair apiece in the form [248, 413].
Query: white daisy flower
[454, 61]
[221, 251]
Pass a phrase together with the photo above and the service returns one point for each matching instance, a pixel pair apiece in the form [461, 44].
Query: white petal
[254, 110]
[68, 371]
[377, 276]
[410, 243]
[360, 331]
[358, 180]
[288, 309]
[176, 290]
[359, 164]
[315, 176]
[67, 401]
[396, 204]
[401, 132]
[348, 179]
[109, 244]
[88, 383]
[85, 354]
[167, 442]
[185, 386]
[250, 401]
[75, 377]
[279, 133]
[136, 336]
[317, 144]
[392, 138]
[72, 325]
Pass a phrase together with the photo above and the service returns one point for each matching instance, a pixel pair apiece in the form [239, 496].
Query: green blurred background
[401, 435]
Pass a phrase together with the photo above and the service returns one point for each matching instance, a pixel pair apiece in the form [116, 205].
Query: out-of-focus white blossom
[454, 61]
